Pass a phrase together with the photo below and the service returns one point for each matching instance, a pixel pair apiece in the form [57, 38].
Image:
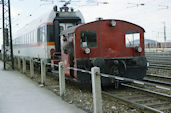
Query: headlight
[148, 64]
[139, 49]
[87, 50]
[113, 23]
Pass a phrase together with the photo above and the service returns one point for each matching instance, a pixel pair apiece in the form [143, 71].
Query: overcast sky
[151, 16]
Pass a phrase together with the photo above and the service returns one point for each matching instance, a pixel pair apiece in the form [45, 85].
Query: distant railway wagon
[116, 46]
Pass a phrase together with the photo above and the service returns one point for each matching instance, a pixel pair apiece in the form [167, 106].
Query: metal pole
[96, 89]
[164, 35]
[31, 68]
[19, 63]
[3, 15]
[61, 79]
[24, 65]
[43, 72]
[10, 30]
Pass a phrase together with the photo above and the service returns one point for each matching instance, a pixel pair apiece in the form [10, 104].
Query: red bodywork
[110, 41]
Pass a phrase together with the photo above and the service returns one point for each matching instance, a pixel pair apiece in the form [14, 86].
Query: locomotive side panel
[110, 41]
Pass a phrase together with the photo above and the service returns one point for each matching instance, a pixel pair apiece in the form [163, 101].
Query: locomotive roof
[72, 29]
[132, 24]
[119, 20]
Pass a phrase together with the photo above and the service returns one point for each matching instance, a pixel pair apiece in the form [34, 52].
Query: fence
[95, 78]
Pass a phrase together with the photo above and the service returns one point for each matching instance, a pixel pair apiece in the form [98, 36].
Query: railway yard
[154, 95]
[90, 56]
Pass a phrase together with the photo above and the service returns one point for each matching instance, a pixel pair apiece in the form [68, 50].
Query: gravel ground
[163, 72]
[81, 96]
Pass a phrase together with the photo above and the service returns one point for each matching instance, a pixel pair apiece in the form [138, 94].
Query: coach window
[88, 39]
[22, 40]
[41, 34]
[35, 37]
[29, 37]
[26, 39]
[69, 26]
[132, 38]
[32, 36]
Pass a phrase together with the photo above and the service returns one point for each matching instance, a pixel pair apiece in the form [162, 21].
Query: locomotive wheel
[122, 67]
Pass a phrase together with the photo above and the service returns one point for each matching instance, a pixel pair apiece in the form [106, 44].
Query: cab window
[132, 38]
[88, 39]
[69, 26]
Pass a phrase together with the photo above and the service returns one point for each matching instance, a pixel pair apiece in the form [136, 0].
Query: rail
[159, 79]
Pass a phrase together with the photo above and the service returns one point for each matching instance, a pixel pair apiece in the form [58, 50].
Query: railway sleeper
[129, 96]
[137, 97]
[151, 100]
[156, 103]
[144, 100]
[161, 104]
[166, 108]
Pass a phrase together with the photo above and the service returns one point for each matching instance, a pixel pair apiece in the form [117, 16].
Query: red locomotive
[116, 46]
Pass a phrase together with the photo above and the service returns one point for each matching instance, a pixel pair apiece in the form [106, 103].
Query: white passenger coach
[41, 37]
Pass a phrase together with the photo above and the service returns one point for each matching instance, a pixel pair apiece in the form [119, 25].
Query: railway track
[144, 99]
[159, 61]
[140, 98]
[159, 79]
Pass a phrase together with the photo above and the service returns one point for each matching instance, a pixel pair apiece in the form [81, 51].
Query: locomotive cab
[116, 46]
